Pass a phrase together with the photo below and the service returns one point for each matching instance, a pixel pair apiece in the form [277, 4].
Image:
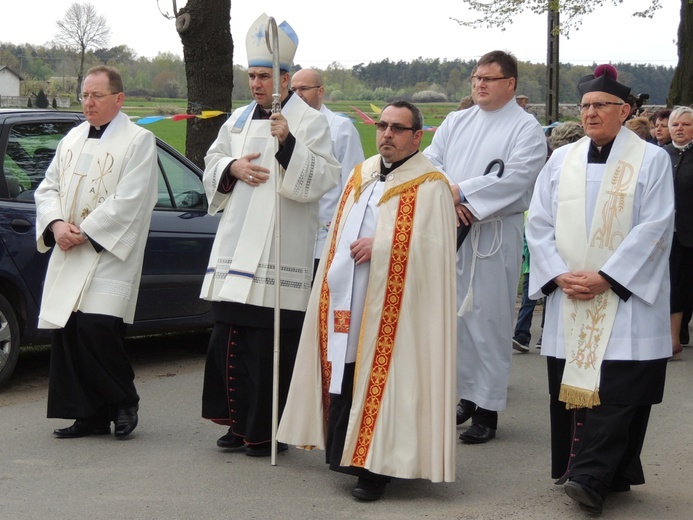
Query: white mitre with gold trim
[256, 47]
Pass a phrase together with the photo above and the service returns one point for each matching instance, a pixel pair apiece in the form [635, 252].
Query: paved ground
[171, 469]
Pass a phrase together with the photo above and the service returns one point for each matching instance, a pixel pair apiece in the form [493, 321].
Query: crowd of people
[395, 326]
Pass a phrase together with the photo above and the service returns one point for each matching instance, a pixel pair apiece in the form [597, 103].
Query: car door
[178, 248]
[28, 141]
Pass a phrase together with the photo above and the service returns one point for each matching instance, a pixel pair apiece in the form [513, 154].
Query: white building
[9, 82]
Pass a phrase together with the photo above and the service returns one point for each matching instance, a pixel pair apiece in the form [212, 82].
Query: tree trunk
[681, 90]
[204, 27]
[552, 66]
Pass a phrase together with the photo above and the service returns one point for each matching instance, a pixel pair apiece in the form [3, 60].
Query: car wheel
[9, 340]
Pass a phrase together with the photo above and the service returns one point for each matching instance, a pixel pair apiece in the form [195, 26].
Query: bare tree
[82, 29]
[204, 27]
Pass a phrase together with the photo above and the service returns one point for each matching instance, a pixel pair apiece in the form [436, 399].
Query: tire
[9, 340]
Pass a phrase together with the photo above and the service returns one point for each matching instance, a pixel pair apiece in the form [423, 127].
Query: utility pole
[552, 65]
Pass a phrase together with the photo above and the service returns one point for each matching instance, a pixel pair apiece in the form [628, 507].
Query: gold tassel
[575, 397]
[406, 186]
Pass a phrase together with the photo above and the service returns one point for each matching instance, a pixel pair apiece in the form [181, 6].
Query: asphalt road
[171, 469]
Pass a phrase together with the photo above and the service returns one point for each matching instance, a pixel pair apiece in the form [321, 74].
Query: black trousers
[90, 374]
[238, 378]
[337, 423]
[601, 446]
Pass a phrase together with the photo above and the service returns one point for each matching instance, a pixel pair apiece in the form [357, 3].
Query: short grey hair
[679, 112]
[565, 133]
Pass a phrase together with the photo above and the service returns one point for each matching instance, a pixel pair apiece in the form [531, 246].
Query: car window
[179, 186]
[30, 149]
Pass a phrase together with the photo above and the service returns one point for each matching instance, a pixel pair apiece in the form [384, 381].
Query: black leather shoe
[82, 428]
[477, 434]
[588, 498]
[264, 449]
[465, 409]
[231, 441]
[368, 490]
[126, 421]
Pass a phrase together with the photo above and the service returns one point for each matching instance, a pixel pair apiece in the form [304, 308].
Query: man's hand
[361, 250]
[582, 285]
[279, 127]
[250, 173]
[67, 235]
[464, 216]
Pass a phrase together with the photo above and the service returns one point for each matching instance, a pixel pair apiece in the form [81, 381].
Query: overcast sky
[365, 30]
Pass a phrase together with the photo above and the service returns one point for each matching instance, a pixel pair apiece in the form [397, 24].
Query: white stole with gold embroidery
[588, 324]
[340, 279]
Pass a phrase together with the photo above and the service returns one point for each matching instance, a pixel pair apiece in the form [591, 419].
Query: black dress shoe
[82, 428]
[264, 449]
[465, 409]
[588, 498]
[477, 434]
[231, 441]
[126, 421]
[368, 490]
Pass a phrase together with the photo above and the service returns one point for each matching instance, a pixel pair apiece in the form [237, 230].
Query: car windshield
[30, 149]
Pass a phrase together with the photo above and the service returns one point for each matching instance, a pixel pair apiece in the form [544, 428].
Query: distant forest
[54, 70]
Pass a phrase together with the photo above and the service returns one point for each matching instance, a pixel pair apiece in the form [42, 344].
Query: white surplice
[108, 187]
[405, 363]
[463, 146]
[249, 212]
[641, 329]
[347, 149]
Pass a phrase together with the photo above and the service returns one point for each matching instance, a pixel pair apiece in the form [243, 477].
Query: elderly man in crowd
[599, 231]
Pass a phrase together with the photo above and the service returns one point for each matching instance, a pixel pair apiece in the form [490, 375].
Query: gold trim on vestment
[389, 320]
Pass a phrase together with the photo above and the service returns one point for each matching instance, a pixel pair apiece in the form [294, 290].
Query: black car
[180, 237]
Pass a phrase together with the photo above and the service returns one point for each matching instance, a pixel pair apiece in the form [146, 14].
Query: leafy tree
[501, 13]
[681, 90]
[82, 29]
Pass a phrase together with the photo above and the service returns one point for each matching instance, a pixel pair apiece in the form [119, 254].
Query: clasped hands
[67, 235]
[582, 285]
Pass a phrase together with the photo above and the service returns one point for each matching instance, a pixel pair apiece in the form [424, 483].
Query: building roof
[5, 67]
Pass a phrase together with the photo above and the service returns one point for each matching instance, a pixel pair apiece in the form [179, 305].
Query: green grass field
[173, 132]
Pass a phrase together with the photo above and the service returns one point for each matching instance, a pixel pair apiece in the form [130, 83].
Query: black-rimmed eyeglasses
[597, 105]
[382, 126]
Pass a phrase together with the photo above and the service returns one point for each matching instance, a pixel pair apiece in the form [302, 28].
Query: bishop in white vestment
[243, 171]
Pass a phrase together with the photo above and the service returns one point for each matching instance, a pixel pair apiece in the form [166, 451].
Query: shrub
[429, 96]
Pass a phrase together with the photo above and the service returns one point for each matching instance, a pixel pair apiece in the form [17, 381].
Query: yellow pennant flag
[375, 109]
[206, 114]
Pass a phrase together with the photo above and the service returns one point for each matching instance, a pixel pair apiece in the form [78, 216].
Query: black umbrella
[463, 230]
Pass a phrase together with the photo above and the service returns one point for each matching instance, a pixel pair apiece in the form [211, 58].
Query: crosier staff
[272, 40]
